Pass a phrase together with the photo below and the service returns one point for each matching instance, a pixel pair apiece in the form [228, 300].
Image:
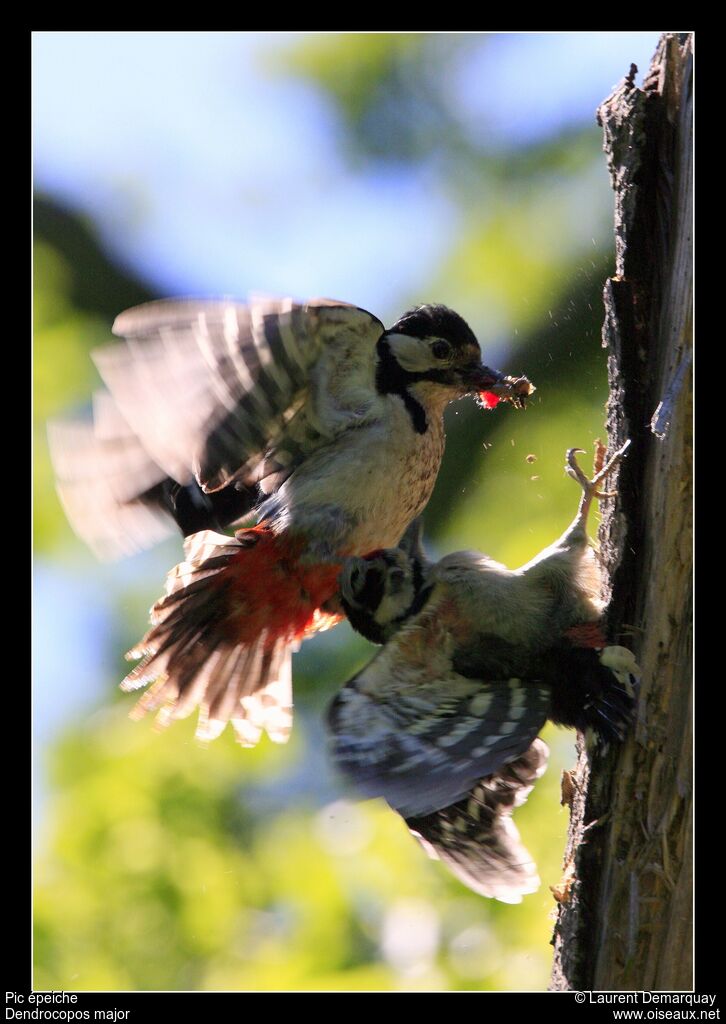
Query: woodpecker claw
[600, 471]
[573, 470]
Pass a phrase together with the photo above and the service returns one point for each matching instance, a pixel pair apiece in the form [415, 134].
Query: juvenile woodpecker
[443, 723]
[312, 421]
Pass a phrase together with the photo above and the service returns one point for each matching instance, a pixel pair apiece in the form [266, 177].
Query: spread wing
[423, 743]
[454, 755]
[211, 407]
[107, 482]
[476, 837]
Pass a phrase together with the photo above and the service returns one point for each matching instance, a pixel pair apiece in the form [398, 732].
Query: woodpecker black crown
[436, 321]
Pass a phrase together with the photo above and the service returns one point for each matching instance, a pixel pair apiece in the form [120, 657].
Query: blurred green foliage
[157, 874]
[162, 864]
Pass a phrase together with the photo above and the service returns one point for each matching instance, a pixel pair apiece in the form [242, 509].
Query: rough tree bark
[625, 914]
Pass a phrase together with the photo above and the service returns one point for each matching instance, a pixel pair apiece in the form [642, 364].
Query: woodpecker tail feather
[476, 837]
[592, 688]
[223, 634]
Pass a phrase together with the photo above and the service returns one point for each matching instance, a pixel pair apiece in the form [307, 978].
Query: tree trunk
[625, 914]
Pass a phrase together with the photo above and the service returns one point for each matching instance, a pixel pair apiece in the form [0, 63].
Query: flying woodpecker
[314, 423]
[443, 723]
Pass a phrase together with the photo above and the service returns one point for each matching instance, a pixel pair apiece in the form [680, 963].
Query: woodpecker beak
[361, 581]
[352, 577]
[482, 378]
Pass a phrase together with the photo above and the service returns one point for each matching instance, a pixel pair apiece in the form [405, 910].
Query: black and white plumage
[444, 722]
[310, 419]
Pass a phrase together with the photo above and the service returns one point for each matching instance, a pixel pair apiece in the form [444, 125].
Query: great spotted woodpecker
[314, 420]
[444, 722]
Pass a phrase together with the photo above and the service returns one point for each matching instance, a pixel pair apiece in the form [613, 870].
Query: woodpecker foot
[601, 469]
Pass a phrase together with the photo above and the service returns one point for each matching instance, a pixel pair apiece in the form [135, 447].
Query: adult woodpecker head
[431, 352]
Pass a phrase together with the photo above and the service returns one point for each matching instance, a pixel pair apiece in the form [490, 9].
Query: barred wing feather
[211, 406]
[211, 388]
[423, 748]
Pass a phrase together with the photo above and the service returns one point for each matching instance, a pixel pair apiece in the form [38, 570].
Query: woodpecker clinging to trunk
[443, 723]
[313, 419]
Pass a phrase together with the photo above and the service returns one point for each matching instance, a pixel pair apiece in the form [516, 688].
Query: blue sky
[211, 174]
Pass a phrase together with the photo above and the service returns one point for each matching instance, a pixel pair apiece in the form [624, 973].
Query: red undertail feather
[271, 592]
[222, 636]
[587, 634]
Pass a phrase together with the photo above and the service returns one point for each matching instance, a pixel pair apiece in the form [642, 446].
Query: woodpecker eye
[441, 349]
